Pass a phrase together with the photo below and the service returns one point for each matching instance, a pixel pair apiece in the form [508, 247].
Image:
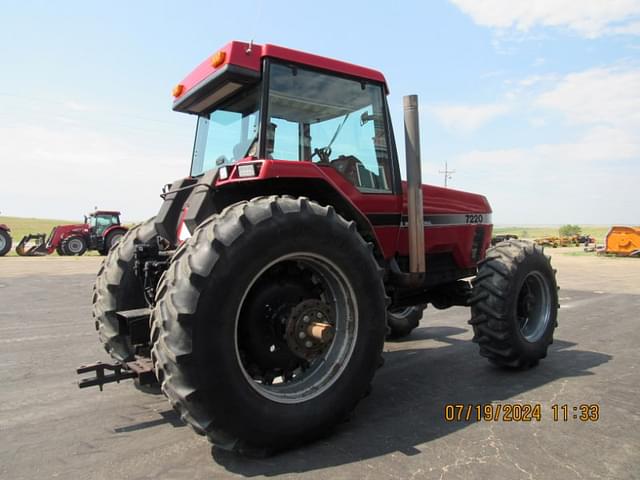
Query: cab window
[330, 120]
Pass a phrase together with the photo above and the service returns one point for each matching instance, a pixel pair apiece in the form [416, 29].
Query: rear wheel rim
[318, 373]
[3, 242]
[75, 245]
[534, 307]
[115, 240]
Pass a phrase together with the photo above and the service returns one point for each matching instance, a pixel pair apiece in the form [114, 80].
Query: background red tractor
[261, 294]
[5, 239]
[101, 231]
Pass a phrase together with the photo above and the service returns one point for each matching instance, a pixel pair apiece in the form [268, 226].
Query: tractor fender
[192, 200]
[4, 227]
[171, 210]
[114, 228]
[73, 231]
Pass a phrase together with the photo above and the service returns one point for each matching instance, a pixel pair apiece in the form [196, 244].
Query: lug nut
[319, 315]
[308, 344]
[305, 319]
[302, 335]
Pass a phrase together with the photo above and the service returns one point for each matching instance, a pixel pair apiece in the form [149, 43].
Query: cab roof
[104, 212]
[249, 57]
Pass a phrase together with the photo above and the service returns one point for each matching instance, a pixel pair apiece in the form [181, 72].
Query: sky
[535, 104]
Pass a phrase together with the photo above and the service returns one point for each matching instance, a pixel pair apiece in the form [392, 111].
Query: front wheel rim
[3, 243]
[534, 307]
[327, 366]
[74, 246]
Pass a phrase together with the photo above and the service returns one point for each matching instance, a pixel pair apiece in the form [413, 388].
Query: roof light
[218, 59]
[177, 90]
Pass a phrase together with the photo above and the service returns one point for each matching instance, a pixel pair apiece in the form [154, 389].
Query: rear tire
[118, 288]
[112, 240]
[230, 382]
[74, 245]
[514, 306]
[403, 321]
[5, 242]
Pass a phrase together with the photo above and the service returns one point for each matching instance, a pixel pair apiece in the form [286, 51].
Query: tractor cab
[101, 220]
[286, 105]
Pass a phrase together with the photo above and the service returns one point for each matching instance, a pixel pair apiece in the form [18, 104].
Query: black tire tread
[172, 345]
[493, 287]
[65, 249]
[401, 327]
[107, 283]
[8, 241]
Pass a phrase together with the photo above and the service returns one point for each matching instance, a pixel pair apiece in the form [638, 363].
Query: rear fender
[191, 205]
[171, 210]
[114, 228]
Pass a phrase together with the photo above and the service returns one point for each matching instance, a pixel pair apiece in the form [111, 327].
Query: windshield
[227, 134]
[331, 120]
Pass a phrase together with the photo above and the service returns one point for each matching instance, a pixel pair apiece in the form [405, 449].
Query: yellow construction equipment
[623, 241]
[558, 241]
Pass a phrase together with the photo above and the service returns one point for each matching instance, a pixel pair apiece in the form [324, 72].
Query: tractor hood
[443, 201]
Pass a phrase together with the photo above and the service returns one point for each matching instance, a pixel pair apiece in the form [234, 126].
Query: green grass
[538, 231]
[22, 226]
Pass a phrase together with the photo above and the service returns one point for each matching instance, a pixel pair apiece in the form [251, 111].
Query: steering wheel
[347, 165]
[323, 154]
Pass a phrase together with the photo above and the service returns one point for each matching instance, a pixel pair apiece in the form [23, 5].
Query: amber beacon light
[177, 90]
[218, 59]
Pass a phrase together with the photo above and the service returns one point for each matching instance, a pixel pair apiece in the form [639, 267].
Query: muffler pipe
[417, 262]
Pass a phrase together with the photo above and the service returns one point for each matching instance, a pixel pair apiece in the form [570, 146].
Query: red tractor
[5, 239]
[260, 295]
[100, 231]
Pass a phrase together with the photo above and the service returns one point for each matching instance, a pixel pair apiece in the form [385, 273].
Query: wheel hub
[310, 329]
[534, 309]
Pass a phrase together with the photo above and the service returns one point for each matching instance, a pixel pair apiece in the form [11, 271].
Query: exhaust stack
[417, 262]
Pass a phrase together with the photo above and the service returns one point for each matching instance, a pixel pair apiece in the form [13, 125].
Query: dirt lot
[52, 429]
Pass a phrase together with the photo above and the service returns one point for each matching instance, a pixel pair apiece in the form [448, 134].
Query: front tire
[403, 321]
[74, 245]
[230, 315]
[514, 306]
[5, 242]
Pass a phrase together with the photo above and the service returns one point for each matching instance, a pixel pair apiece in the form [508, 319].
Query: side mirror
[365, 118]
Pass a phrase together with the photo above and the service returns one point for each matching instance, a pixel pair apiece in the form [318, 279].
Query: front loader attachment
[32, 245]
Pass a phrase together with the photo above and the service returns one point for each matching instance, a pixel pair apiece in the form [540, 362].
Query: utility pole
[447, 173]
